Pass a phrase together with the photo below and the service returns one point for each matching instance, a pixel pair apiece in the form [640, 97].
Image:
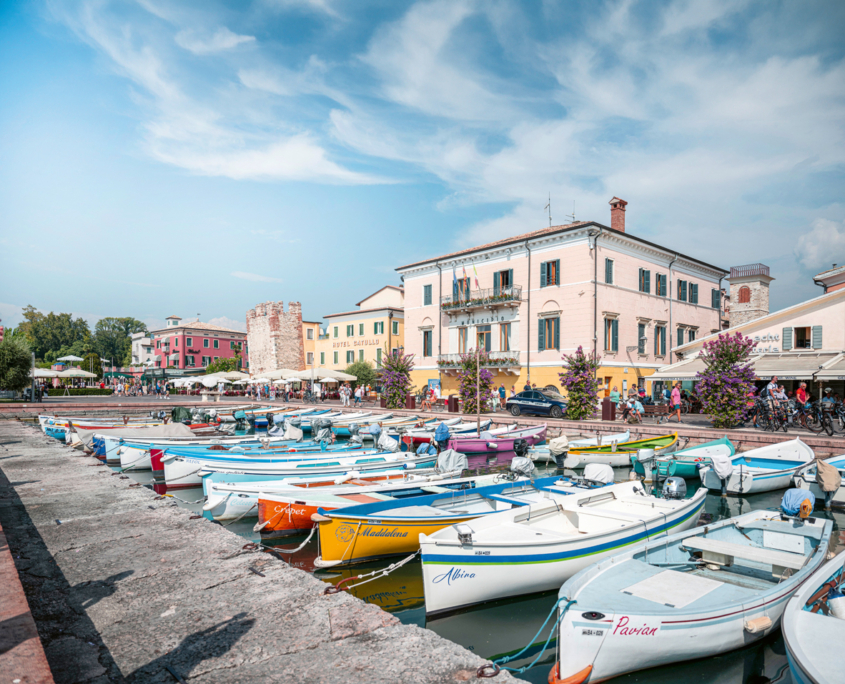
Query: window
[335, 331]
[335, 358]
[483, 337]
[205, 343]
[216, 358]
[189, 362]
[715, 299]
[378, 328]
[660, 340]
[217, 344]
[395, 327]
[426, 295]
[691, 336]
[460, 289]
[645, 280]
[680, 336]
[309, 358]
[462, 340]
[661, 285]
[378, 357]
[608, 271]
[427, 342]
[309, 334]
[158, 344]
[360, 354]
[550, 273]
[641, 338]
[505, 336]
[682, 290]
[176, 342]
[548, 333]
[350, 356]
[350, 330]
[360, 329]
[205, 361]
[693, 293]
[322, 358]
[744, 294]
[611, 334]
[176, 363]
[503, 282]
[802, 336]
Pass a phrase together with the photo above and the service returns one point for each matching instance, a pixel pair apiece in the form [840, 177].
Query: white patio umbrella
[280, 374]
[44, 373]
[75, 373]
[71, 357]
[232, 375]
[213, 380]
[240, 382]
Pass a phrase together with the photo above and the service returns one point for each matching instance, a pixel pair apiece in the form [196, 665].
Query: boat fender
[492, 445]
[758, 625]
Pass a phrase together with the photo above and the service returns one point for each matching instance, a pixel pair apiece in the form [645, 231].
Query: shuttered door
[497, 284]
[615, 335]
[786, 338]
[817, 337]
[557, 271]
[510, 279]
[557, 333]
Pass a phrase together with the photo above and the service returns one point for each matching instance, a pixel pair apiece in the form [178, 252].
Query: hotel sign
[356, 343]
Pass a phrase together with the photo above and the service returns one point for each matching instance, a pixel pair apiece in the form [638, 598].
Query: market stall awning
[833, 370]
[791, 365]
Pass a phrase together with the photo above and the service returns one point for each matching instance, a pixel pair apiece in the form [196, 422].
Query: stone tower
[749, 293]
[275, 337]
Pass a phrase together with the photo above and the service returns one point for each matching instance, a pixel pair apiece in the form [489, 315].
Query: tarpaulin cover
[827, 476]
[426, 449]
[441, 433]
[170, 431]
[450, 461]
[522, 465]
[387, 443]
[292, 431]
[559, 445]
[722, 465]
[792, 499]
[598, 472]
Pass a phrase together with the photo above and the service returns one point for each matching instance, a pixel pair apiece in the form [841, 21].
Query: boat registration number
[592, 632]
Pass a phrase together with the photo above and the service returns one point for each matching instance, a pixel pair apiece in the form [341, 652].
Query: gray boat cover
[169, 431]
[598, 472]
[292, 431]
[559, 445]
[450, 461]
[522, 465]
[722, 465]
[387, 443]
[827, 476]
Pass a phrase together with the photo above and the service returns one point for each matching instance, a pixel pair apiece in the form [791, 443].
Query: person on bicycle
[828, 397]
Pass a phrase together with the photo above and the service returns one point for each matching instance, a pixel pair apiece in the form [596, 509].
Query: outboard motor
[278, 428]
[798, 502]
[292, 428]
[180, 414]
[520, 447]
[240, 420]
[270, 420]
[321, 430]
[386, 443]
[522, 466]
[375, 432]
[674, 488]
[354, 437]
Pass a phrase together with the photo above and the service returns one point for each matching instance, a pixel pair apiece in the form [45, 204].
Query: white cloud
[230, 323]
[222, 39]
[825, 242]
[254, 277]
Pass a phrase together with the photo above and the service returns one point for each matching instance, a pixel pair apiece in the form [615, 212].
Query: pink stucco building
[196, 345]
[533, 297]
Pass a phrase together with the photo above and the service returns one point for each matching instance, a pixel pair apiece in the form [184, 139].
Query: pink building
[196, 345]
[545, 293]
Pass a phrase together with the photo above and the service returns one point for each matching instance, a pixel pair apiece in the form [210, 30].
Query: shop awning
[683, 370]
[833, 370]
[115, 374]
[791, 365]
[174, 357]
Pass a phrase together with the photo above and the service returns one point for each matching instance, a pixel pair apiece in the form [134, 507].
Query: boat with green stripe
[618, 455]
[687, 462]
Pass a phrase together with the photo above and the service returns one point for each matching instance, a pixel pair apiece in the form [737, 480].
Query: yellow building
[310, 335]
[363, 334]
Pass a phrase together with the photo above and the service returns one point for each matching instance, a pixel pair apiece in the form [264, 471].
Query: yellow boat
[391, 528]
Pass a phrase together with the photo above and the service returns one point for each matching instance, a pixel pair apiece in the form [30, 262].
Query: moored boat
[618, 454]
[808, 478]
[697, 593]
[492, 444]
[542, 454]
[687, 462]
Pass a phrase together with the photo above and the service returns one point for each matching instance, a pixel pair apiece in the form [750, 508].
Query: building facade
[142, 350]
[196, 345]
[832, 279]
[275, 337]
[310, 334]
[377, 327]
[749, 293]
[531, 298]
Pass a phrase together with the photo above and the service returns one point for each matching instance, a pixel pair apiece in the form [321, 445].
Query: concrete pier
[126, 587]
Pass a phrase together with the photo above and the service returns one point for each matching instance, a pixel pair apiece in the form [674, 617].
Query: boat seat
[507, 499]
[723, 553]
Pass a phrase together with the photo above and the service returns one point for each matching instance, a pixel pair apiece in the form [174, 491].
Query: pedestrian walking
[676, 401]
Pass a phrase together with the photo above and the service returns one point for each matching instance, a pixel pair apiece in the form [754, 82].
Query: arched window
[744, 294]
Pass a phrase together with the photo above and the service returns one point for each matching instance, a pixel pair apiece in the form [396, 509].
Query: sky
[168, 157]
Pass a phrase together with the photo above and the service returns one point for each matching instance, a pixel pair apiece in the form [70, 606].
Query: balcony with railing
[482, 299]
[505, 361]
[749, 270]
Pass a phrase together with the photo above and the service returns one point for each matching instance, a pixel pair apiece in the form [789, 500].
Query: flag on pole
[477, 286]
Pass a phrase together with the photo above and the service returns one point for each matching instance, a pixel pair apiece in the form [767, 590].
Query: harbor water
[503, 628]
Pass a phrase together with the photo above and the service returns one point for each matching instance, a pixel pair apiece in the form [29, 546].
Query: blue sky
[164, 157]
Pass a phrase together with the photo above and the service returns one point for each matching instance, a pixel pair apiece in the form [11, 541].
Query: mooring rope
[298, 548]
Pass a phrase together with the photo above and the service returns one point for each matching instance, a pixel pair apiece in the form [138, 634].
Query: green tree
[52, 332]
[15, 363]
[364, 371]
[112, 337]
[91, 363]
[222, 366]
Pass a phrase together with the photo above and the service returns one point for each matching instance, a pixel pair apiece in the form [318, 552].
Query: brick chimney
[617, 214]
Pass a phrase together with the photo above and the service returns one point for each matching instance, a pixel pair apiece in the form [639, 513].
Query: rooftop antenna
[572, 215]
[549, 207]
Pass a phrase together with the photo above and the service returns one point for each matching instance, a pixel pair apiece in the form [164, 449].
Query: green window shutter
[608, 271]
[557, 271]
[557, 333]
[647, 275]
[615, 332]
[361, 329]
[680, 336]
[541, 334]
[715, 299]
[817, 337]
[657, 341]
[543, 277]
[378, 357]
[786, 339]
[605, 334]
[510, 277]
[663, 341]
[427, 295]
[641, 281]
[497, 280]
[454, 290]
[693, 293]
